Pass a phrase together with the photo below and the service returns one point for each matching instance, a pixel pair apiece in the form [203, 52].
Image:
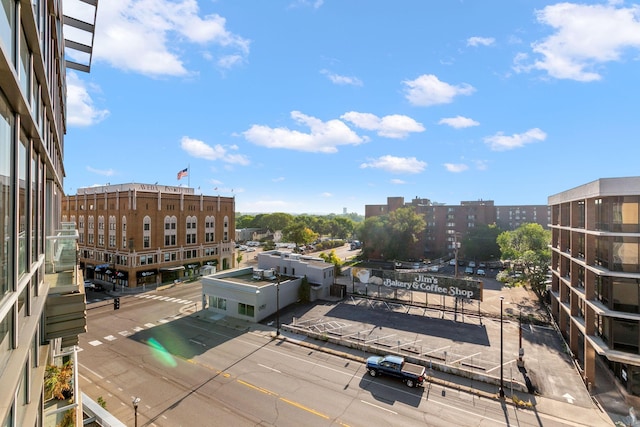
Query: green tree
[481, 243]
[374, 234]
[277, 221]
[299, 233]
[341, 227]
[332, 258]
[406, 227]
[528, 247]
[244, 221]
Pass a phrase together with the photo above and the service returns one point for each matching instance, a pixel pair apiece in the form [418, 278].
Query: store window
[246, 309]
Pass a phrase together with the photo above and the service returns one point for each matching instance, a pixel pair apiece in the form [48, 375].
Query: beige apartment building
[132, 235]
[595, 289]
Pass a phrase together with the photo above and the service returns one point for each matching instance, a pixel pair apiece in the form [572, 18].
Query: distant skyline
[305, 106]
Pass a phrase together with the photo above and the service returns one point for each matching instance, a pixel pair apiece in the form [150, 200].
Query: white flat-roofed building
[254, 294]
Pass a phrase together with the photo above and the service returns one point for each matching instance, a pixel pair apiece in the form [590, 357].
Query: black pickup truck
[410, 373]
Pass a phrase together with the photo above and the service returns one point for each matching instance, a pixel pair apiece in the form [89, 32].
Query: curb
[430, 379]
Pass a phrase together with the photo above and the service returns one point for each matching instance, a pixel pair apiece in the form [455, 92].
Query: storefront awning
[177, 268]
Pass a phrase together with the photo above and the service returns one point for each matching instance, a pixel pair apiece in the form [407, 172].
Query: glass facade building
[42, 303]
[595, 287]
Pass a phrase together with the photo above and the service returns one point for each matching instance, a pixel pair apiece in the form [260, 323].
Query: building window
[170, 234]
[245, 310]
[209, 229]
[6, 337]
[219, 303]
[191, 233]
[146, 232]
[6, 142]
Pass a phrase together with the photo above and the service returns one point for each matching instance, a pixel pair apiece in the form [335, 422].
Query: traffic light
[116, 303]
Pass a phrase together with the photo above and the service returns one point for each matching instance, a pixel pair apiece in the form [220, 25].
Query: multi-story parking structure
[133, 234]
[42, 300]
[595, 289]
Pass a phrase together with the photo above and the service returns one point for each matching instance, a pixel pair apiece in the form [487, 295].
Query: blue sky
[312, 106]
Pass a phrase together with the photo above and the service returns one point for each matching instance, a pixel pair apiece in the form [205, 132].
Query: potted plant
[58, 381]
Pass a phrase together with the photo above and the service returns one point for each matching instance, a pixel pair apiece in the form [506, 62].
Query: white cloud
[326, 194]
[278, 179]
[480, 41]
[458, 122]
[307, 3]
[324, 137]
[197, 148]
[341, 80]
[428, 90]
[81, 110]
[481, 165]
[104, 172]
[392, 126]
[398, 181]
[147, 36]
[501, 142]
[396, 164]
[585, 37]
[456, 167]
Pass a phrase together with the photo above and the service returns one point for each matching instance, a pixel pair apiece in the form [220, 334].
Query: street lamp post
[135, 402]
[278, 305]
[501, 352]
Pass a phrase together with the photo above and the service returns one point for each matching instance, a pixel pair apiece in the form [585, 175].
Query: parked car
[452, 262]
[472, 264]
[468, 270]
[481, 272]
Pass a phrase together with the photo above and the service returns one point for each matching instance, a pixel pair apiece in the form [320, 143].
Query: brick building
[595, 287]
[136, 234]
[448, 224]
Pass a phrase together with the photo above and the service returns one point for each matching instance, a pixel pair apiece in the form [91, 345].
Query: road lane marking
[379, 407]
[95, 343]
[269, 368]
[260, 389]
[304, 408]
[92, 372]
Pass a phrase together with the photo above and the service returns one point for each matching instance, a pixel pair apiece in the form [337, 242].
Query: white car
[480, 272]
[452, 262]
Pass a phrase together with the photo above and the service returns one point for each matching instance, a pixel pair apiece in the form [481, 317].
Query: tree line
[400, 235]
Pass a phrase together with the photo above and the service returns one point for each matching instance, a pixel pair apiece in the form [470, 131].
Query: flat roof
[247, 279]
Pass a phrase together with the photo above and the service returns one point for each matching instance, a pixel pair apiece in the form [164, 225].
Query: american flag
[184, 172]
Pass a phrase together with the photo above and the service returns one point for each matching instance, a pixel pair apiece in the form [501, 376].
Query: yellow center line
[304, 408]
[260, 389]
[290, 402]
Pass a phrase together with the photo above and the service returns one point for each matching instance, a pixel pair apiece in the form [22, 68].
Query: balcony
[66, 308]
